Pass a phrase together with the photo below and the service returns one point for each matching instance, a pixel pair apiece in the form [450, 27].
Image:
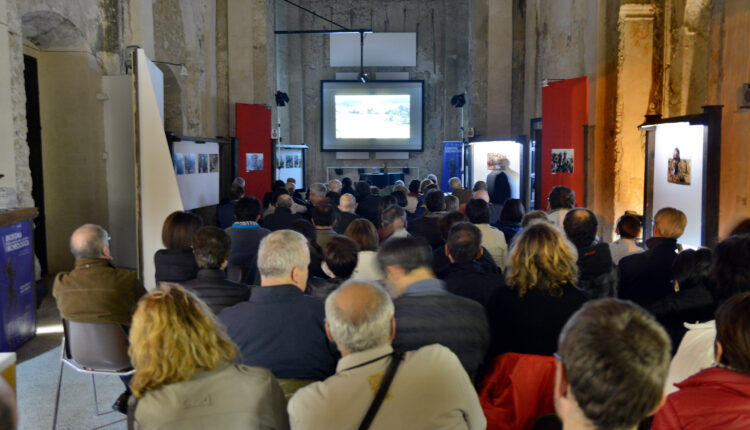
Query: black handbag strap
[383, 390]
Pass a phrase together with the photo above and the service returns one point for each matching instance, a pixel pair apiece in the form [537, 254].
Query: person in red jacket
[717, 397]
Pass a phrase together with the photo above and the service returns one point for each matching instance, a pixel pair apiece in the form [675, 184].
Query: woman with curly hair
[527, 314]
[185, 376]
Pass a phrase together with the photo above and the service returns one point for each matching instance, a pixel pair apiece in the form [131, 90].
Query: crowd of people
[350, 306]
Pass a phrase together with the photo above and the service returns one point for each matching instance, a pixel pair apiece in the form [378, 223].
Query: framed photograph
[496, 161]
[202, 163]
[189, 164]
[289, 162]
[296, 161]
[678, 169]
[563, 160]
[179, 163]
[213, 163]
[253, 161]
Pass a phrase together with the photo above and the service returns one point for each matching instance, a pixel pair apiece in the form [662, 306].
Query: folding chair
[93, 348]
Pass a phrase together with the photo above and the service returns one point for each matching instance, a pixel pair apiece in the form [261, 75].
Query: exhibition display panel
[291, 162]
[683, 156]
[501, 164]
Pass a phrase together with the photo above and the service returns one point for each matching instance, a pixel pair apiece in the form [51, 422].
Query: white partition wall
[157, 194]
[683, 190]
[484, 157]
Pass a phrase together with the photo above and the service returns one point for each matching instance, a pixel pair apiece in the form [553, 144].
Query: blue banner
[451, 164]
[17, 304]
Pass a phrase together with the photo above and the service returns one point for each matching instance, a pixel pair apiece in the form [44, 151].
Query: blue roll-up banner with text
[451, 164]
[17, 310]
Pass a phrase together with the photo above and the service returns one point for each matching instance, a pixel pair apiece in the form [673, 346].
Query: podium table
[381, 180]
[17, 302]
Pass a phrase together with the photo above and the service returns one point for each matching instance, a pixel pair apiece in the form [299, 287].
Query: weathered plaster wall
[730, 36]
[447, 61]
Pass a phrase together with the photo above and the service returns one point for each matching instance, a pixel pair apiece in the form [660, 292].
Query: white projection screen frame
[512, 150]
[689, 198]
[375, 120]
[197, 189]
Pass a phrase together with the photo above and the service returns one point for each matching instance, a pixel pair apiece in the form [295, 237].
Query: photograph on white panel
[202, 163]
[253, 162]
[678, 169]
[189, 164]
[179, 163]
[213, 163]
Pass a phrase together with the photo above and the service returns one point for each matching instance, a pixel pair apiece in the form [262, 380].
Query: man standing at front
[429, 389]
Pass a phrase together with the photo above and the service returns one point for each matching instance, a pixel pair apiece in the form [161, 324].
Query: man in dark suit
[647, 276]
[282, 217]
[427, 226]
[597, 275]
[211, 249]
[368, 205]
[345, 216]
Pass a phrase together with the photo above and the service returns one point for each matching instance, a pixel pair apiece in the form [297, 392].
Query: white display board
[681, 191]
[381, 49]
[196, 166]
[483, 155]
[290, 163]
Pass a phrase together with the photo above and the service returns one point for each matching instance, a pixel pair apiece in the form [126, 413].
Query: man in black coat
[597, 275]
[647, 276]
[211, 249]
[427, 226]
[345, 215]
[282, 218]
[368, 205]
[465, 276]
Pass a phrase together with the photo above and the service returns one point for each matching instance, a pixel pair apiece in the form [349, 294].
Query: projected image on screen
[373, 116]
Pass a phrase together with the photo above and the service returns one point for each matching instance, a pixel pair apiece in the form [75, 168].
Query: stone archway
[174, 115]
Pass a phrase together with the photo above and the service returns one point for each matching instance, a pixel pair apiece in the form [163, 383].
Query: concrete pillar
[141, 29]
[499, 67]
[634, 81]
[7, 150]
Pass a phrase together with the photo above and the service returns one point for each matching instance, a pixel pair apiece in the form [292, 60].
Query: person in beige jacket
[185, 375]
[478, 212]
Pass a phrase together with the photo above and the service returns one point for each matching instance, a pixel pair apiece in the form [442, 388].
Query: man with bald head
[283, 217]
[346, 213]
[429, 388]
[95, 290]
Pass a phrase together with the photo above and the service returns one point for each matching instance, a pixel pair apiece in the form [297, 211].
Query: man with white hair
[373, 384]
[459, 191]
[346, 213]
[280, 328]
[318, 195]
[334, 185]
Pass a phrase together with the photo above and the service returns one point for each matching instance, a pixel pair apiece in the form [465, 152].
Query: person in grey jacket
[211, 249]
[185, 377]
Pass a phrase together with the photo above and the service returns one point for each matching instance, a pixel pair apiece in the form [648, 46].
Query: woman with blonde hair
[528, 313]
[185, 376]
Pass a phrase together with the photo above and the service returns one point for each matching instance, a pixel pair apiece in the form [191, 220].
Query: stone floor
[36, 381]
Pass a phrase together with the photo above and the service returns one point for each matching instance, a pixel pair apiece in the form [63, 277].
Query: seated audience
[95, 291]
[527, 315]
[597, 275]
[323, 218]
[510, 219]
[393, 223]
[647, 277]
[385, 201]
[317, 195]
[559, 202]
[611, 368]
[429, 387]
[433, 177]
[730, 275]
[479, 185]
[339, 261]
[465, 276]
[176, 263]
[440, 260]
[281, 218]
[225, 211]
[426, 312]
[375, 191]
[451, 203]
[414, 197]
[423, 186]
[211, 249]
[692, 300]
[346, 186]
[399, 193]
[334, 185]
[333, 198]
[629, 228]
[368, 205]
[533, 217]
[478, 212]
[280, 328]
[717, 397]
[185, 373]
[245, 235]
[291, 185]
[306, 229]
[459, 191]
[427, 226]
[364, 234]
[494, 209]
[345, 215]
[269, 198]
